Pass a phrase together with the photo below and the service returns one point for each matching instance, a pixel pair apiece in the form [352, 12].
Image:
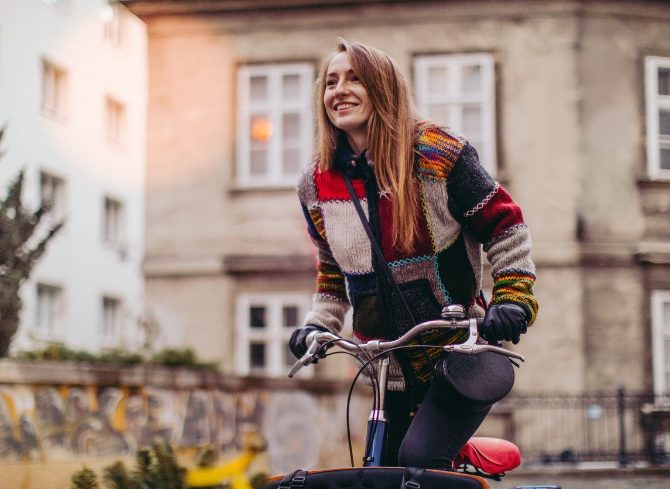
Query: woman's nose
[341, 87]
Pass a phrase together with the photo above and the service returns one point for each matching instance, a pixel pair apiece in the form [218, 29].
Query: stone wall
[59, 411]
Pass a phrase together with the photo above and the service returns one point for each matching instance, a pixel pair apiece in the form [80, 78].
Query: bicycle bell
[453, 311]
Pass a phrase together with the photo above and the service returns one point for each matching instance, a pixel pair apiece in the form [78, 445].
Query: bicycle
[479, 459]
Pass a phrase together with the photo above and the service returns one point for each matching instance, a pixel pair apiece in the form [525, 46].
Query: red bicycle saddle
[492, 455]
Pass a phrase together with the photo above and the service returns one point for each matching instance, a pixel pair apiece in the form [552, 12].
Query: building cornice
[146, 9]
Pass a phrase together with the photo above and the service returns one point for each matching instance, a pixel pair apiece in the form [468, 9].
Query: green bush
[156, 468]
[169, 357]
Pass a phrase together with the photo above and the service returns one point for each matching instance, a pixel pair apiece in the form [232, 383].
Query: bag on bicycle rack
[473, 382]
[377, 478]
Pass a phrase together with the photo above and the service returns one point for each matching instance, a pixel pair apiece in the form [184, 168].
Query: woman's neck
[357, 142]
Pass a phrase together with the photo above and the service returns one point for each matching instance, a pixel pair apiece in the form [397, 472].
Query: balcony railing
[619, 426]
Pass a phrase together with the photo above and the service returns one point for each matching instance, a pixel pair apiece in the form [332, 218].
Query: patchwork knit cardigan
[464, 213]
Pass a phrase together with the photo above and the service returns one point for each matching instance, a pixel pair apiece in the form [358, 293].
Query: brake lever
[470, 346]
[308, 358]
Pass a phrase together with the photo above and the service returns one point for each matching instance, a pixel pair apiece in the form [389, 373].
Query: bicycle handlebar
[317, 339]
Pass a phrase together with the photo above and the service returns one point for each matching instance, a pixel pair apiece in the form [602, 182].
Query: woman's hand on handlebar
[298, 342]
[505, 321]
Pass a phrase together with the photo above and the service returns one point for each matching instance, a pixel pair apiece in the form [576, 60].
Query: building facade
[568, 103]
[72, 98]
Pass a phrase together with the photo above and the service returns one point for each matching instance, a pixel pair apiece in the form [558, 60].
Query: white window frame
[275, 107]
[49, 317]
[54, 90]
[111, 331]
[660, 327]
[655, 102]
[113, 222]
[115, 121]
[53, 187]
[112, 24]
[274, 335]
[64, 4]
[454, 97]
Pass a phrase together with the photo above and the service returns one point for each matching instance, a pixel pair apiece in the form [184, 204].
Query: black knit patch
[468, 183]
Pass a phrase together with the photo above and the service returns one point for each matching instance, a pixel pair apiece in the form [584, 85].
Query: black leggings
[430, 439]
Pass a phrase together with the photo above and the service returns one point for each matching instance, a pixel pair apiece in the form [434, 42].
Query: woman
[432, 208]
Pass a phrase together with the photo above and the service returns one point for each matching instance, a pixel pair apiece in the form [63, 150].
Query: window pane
[257, 355]
[437, 79]
[438, 112]
[290, 127]
[472, 78]
[290, 315]
[292, 163]
[664, 81]
[257, 317]
[260, 128]
[291, 86]
[472, 120]
[666, 315]
[258, 88]
[665, 157]
[664, 122]
[259, 162]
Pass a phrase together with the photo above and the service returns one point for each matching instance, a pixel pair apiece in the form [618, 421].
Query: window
[264, 326]
[65, 4]
[54, 90]
[116, 114]
[112, 222]
[660, 324]
[111, 319]
[275, 123]
[458, 91]
[111, 24]
[52, 194]
[49, 311]
[657, 95]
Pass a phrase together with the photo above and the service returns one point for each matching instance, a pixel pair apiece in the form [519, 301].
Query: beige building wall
[571, 150]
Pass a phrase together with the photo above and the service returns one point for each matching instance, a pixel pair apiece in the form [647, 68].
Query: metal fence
[617, 426]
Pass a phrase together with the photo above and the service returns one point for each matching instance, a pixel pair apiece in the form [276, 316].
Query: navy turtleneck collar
[347, 162]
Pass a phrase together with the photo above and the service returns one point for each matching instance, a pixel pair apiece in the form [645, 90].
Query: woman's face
[346, 99]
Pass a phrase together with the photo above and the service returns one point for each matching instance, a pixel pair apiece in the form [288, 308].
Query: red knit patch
[391, 253]
[497, 215]
[330, 186]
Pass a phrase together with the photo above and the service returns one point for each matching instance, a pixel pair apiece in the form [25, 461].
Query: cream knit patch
[306, 188]
[512, 252]
[349, 244]
[444, 228]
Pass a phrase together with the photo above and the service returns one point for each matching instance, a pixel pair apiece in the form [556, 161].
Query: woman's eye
[331, 83]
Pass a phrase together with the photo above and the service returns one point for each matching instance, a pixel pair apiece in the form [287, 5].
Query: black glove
[504, 321]
[297, 343]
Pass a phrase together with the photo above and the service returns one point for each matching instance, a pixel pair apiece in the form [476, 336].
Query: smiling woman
[346, 102]
[431, 211]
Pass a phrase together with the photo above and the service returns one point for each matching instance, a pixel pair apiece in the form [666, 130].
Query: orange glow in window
[261, 129]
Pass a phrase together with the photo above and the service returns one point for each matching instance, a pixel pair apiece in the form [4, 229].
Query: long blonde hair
[391, 131]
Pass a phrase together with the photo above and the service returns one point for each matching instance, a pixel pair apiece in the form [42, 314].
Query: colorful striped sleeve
[489, 214]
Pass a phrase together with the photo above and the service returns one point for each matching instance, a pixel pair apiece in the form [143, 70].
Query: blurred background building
[169, 135]
[568, 103]
[73, 82]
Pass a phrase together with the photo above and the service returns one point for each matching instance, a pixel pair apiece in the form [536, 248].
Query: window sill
[54, 115]
[240, 189]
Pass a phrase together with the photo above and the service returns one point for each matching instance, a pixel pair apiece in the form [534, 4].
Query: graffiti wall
[43, 422]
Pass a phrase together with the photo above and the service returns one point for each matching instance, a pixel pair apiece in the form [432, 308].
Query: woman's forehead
[339, 64]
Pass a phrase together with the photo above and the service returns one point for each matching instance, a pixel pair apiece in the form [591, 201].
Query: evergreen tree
[84, 479]
[19, 251]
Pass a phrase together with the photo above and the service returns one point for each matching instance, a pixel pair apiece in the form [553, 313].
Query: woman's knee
[414, 453]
